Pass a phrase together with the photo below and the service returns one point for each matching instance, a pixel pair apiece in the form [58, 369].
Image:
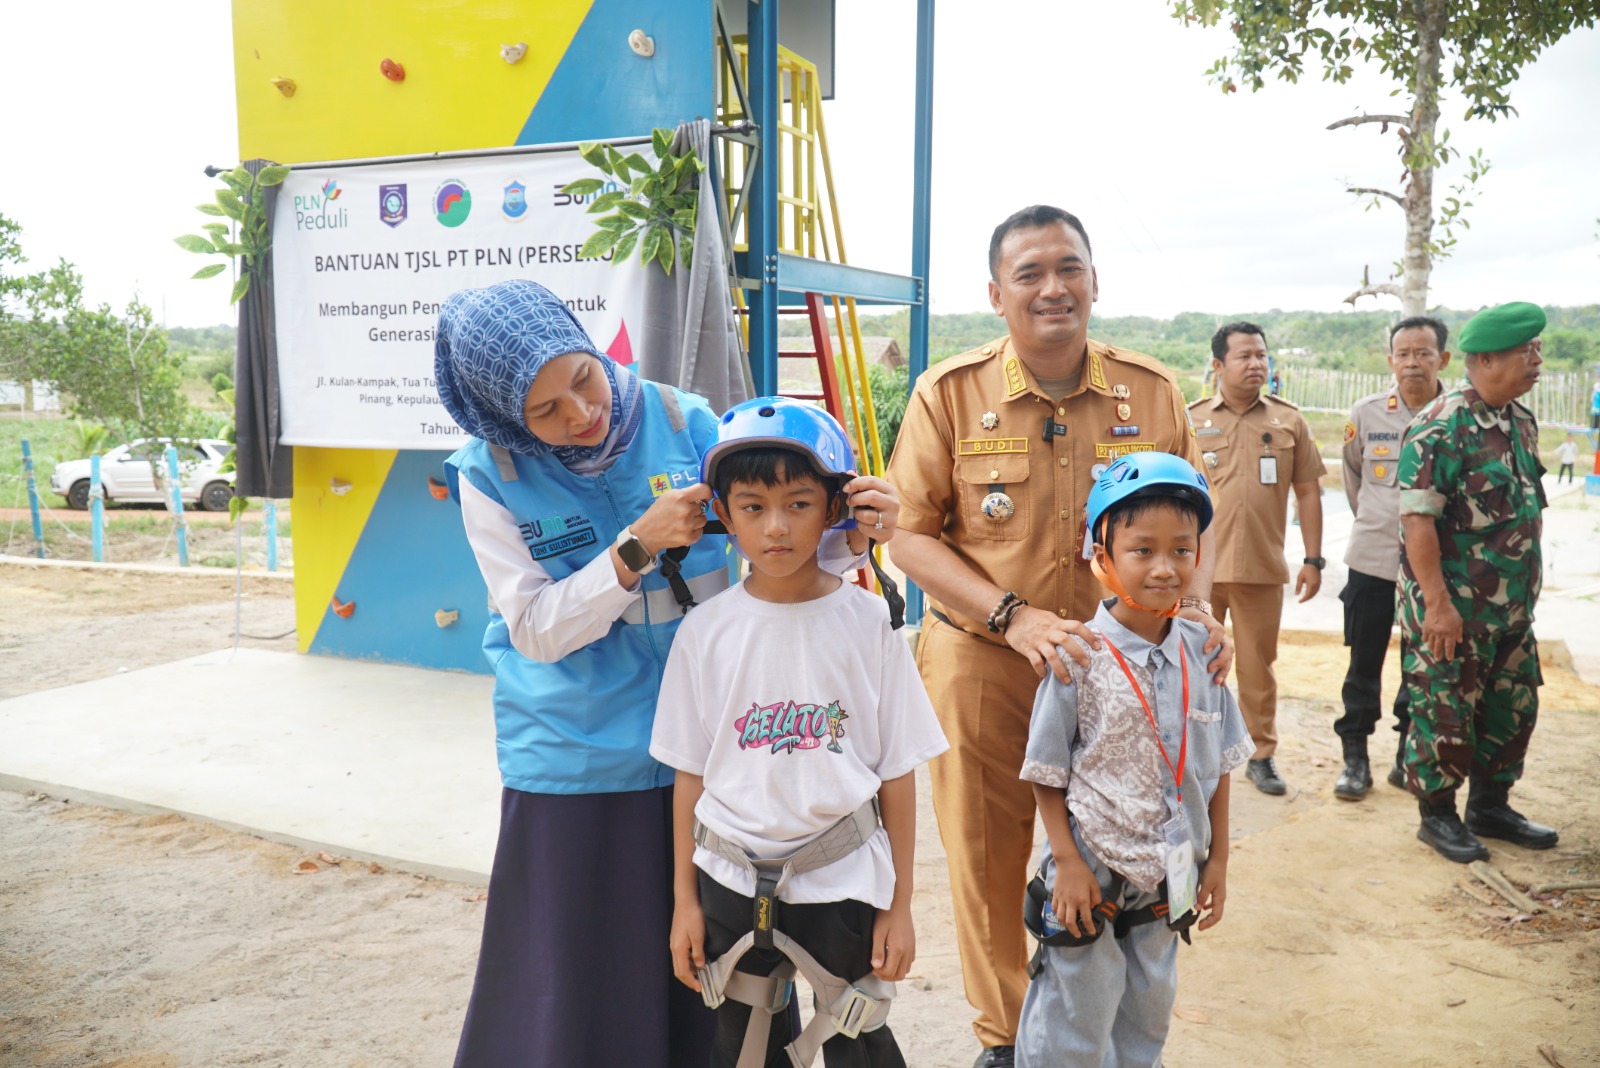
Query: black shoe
[1356, 778]
[1443, 830]
[996, 1057]
[1264, 773]
[1397, 774]
[1489, 815]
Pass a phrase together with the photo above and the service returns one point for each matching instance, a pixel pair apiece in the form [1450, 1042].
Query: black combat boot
[1489, 815]
[1397, 774]
[1443, 830]
[1356, 778]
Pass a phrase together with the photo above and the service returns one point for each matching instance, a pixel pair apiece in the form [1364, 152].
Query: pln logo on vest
[515, 205]
[661, 483]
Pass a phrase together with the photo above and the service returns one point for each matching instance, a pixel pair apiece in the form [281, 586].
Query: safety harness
[842, 1007]
[1109, 912]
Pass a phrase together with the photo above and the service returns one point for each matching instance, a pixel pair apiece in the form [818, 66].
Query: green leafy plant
[245, 238]
[89, 437]
[643, 206]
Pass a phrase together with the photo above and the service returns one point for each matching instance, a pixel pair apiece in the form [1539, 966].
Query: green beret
[1505, 327]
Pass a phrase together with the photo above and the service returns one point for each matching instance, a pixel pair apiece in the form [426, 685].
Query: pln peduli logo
[515, 205]
[316, 211]
[452, 203]
[392, 204]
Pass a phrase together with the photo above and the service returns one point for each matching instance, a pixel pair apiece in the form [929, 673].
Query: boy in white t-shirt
[792, 712]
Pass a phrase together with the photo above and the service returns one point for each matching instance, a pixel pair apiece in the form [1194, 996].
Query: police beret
[1504, 327]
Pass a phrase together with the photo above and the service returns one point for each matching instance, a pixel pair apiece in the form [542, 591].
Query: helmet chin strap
[1107, 574]
[1109, 579]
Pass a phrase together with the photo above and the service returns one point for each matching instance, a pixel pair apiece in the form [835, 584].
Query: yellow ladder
[808, 213]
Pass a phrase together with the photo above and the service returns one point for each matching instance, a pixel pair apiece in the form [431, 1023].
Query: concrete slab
[384, 763]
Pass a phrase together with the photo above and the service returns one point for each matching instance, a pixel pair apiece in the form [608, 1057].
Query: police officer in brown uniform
[994, 462]
[1255, 447]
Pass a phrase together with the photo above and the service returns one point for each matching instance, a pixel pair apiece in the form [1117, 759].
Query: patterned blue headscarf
[491, 343]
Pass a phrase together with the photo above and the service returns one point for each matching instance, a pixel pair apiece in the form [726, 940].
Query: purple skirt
[574, 971]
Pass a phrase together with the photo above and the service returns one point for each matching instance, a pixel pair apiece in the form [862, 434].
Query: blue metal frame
[921, 216]
[782, 275]
[761, 226]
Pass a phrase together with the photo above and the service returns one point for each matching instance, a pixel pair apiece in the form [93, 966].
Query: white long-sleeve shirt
[549, 618]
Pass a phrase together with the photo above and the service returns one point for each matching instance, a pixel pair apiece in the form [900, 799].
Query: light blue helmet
[1149, 474]
[784, 423]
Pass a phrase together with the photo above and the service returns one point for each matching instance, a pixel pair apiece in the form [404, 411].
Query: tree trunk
[1417, 264]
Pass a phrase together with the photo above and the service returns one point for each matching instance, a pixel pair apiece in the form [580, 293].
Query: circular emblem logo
[452, 203]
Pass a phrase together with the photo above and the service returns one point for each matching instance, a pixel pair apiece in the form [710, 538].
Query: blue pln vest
[582, 725]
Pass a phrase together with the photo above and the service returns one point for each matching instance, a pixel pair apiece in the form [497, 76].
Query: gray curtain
[690, 336]
[266, 468]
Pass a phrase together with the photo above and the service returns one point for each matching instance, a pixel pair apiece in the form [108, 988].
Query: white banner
[363, 256]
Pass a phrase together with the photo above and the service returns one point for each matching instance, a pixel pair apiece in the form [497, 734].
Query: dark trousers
[1564, 473]
[574, 970]
[838, 934]
[1368, 618]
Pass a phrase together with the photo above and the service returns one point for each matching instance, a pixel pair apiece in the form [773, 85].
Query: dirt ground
[140, 941]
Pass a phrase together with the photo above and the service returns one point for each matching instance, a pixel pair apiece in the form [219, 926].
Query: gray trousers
[1104, 1005]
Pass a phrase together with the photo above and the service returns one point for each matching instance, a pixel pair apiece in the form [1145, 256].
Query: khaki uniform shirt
[974, 432]
[1372, 440]
[1252, 513]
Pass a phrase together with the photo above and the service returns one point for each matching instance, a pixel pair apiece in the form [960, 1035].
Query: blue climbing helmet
[1148, 474]
[784, 423]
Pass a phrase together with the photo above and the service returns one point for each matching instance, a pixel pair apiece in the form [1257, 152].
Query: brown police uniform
[1253, 458]
[977, 468]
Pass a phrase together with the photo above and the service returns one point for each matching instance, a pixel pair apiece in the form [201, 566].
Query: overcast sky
[1195, 201]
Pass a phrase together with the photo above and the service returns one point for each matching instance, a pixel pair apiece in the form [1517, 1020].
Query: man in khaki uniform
[1255, 447]
[1371, 462]
[994, 462]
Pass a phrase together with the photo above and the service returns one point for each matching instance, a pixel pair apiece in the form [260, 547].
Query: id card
[1182, 874]
[1269, 470]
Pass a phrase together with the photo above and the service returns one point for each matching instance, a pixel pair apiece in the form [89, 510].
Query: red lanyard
[1183, 747]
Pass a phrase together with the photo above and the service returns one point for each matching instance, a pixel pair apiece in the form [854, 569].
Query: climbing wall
[382, 569]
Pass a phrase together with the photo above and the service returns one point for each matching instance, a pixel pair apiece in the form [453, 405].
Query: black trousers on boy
[1368, 618]
[838, 934]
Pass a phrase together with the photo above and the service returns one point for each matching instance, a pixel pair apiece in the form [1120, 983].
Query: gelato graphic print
[786, 727]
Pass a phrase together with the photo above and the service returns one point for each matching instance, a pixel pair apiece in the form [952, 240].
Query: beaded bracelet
[1008, 601]
[1005, 617]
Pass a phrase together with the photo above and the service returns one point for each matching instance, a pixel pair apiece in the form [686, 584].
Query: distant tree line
[1343, 341]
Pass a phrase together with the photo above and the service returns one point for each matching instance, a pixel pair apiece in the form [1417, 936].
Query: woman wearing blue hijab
[578, 477]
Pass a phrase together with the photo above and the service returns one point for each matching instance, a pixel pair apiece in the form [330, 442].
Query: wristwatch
[1318, 562]
[635, 557]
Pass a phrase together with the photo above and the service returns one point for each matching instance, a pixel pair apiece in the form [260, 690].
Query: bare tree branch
[1361, 189]
[1381, 289]
[1356, 120]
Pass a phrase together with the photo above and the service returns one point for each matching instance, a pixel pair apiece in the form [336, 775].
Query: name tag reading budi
[1269, 470]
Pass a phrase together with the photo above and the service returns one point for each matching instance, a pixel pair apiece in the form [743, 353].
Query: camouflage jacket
[1475, 470]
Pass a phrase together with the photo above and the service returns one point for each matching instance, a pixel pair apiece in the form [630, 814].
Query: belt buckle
[859, 1009]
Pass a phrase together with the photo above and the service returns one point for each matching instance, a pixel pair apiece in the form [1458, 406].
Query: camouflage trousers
[1472, 715]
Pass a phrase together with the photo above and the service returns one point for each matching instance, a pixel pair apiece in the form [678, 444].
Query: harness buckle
[765, 908]
[710, 993]
[859, 1009]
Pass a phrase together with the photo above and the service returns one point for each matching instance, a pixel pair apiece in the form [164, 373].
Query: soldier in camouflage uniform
[1470, 504]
